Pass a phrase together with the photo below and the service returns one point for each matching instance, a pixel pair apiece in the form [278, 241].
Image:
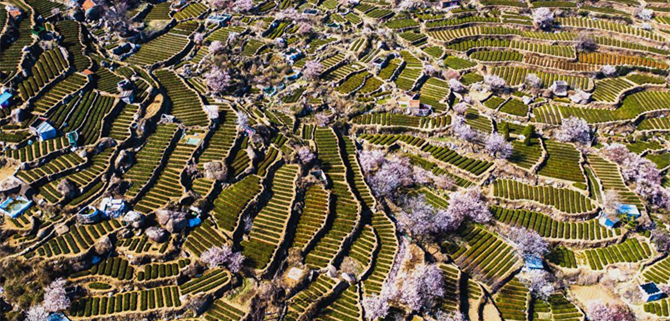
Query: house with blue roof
[533, 262]
[629, 210]
[42, 129]
[651, 292]
[608, 221]
[57, 317]
[15, 206]
[6, 99]
[220, 20]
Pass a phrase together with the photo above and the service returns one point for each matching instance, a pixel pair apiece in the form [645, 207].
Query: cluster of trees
[415, 286]
[217, 256]
[574, 130]
[642, 172]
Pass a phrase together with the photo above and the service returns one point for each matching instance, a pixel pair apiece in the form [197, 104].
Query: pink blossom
[305, 155]
[421, 176]
[392, 175]
[576, 130]
[304, 28]
[498, 146]
[494, 82]
[198, 37]
[463, 130]
[217, 79]
[216, 47]
[312, 70]
[456, 85]
[443, 182]
[599, 311]
[243, 5]
[617, 153]
[55, 296]
[218, 4]
[323, 119]
[528, 242]
[460, 108]
[375, 307]
[469, 203]
[539, 283]
[543, 17]
[370, 159]
[222, 256]
[422, 287]
[37, 313]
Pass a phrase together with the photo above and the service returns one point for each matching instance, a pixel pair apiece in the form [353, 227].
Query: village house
[220, 20]
[609, 221]
[413, 106]
[15, 206]
[559, 88]
[651, 292]
[6, 99]
[113, 207]
[42, 129]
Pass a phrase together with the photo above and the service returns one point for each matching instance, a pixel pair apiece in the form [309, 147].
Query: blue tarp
[194, 222]
[15, 207]
[45, 131]
[5, 98]
[628, 209]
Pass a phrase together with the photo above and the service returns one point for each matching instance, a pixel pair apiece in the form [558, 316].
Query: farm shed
[651, 292]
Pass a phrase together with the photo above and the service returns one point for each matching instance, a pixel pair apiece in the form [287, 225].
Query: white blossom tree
[222, 256]
[37, 313]
[55, 296]
[460, 108]
[608, 70]
[463, 130]
[469, 203]
[599, 311]
[449, 316]
[242, 119]
[370, 159]
[645, 14]
[528, 242]
[576, 130]
[217, 79]
[539, 283]
[456, 85]
[391, 175]
[533, 81]
[312, 70]
[216, 47]
[422, 287]
[611, 201]
[495, 82]
[375, 307]
[305, 155]
[243, 5]
[543, 17]
[585, 42]
[498, 146]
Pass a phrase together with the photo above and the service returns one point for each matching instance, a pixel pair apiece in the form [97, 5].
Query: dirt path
[586, 294]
